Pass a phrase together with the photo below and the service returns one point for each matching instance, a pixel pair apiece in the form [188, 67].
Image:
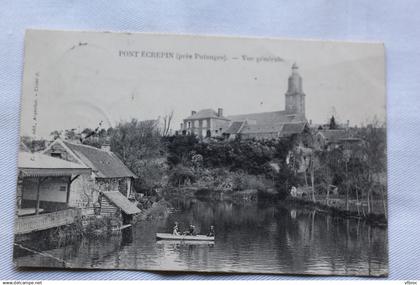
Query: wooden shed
[115, 203]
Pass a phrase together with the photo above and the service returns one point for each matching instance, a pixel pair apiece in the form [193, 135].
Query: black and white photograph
[188, 153]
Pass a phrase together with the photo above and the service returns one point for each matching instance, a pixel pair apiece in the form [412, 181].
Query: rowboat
[184, 242]
[183, 237]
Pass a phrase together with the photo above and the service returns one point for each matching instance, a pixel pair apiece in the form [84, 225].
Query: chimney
[220, 112]
[193, 113]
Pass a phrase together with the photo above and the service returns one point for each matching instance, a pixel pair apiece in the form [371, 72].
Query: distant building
[206, 123]
[292, 120]
[108, 172]
[330, 139]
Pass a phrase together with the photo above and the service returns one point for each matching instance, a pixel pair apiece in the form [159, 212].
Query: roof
[234, 128]
[269, 118]
[333, 135]
[206, 114]
[280, 128]
[119, 200]
[41, 165]
[262, 128]
[106, 164]
[293, 128]
[24, 147]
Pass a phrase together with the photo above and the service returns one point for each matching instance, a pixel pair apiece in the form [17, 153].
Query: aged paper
[202, 154]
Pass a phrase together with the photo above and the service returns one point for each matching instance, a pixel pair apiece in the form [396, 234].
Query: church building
[266, 125]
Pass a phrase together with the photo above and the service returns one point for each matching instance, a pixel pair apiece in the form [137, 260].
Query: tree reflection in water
[251, 236]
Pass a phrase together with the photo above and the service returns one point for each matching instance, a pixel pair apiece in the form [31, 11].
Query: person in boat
[176, 229]
[191, 231]
[211, 232]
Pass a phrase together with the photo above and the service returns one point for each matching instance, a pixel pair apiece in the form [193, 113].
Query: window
[195, 124]
[56, 154]
[204, 123]
[63, 188]
[189, 124]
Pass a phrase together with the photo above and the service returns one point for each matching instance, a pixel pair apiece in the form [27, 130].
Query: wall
[53, 189]
[112, 184]
[107, 208]
[217, 124]
[83, 193]
[200, 126]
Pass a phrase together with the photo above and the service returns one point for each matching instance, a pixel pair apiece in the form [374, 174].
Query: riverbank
[213, 194]
[267, 235]
[158, 210]
[372, 219]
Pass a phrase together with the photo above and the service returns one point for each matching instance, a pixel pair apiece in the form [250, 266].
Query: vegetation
[354, 168]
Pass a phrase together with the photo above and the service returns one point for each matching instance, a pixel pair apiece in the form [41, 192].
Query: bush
[181, 175]
[251, 156]
[152, 174]
[221, 179]
[243, 181]
[285, 179]
[101, 225]
[179, 149]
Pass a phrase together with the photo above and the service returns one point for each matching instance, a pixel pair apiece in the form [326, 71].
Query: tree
[333, 124]
[136, 140]
[139, 145]
[71, 134]
[167, 120]
[330, 170]
[56, 134]
[34, 145]
[286, 178]
[179, 149]
[372, 159]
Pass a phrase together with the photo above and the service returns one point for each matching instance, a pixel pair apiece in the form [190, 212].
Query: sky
[79, 79]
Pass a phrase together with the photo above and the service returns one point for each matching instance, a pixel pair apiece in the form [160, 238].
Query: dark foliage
[253, 157]
[179, 148]
[285, 179]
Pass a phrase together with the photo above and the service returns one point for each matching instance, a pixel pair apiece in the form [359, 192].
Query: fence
[28, 224]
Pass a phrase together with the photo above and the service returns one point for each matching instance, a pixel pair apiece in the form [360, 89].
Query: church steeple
[295, 98]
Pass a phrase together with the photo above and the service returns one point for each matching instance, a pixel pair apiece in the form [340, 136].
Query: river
[251, 236]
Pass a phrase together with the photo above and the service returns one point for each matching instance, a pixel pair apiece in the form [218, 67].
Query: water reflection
[250, 237]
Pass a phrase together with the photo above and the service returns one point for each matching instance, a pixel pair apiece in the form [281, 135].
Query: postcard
[202, 154]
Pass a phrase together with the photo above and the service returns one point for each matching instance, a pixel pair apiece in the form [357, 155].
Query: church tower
[295, 98]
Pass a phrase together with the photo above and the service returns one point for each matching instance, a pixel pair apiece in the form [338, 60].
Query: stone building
[205, 123]
[108, 172]
[266, 125]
